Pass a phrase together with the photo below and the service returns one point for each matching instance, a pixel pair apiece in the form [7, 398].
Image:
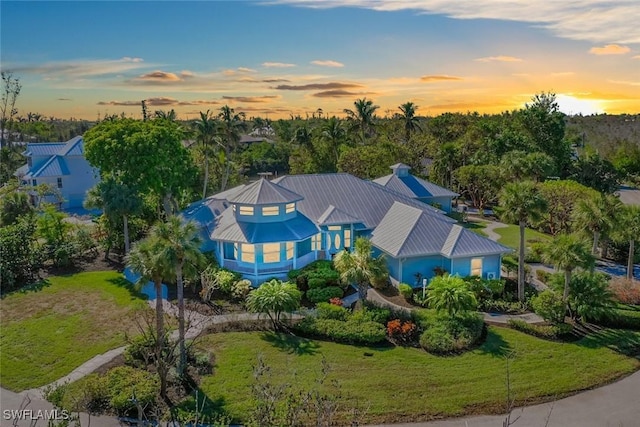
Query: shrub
[421, 299]
[452, 334]
[402, 332]
[336, 301]
[543, 276]
[625, 291]
[274, 298]
[372, 314]
[450, 294]
[141, 351]
[240, 289]
[293, 275]
[329, 311]
[124, 381]
[621, 319]
[217, 278]
[549, 332]
[589, 296]
[550, 306]
[324, 294]
[350, 332]
[406, 291]
[316, 283]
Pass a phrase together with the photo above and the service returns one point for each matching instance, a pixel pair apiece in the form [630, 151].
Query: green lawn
[476, 225]
[47, 332]
[402, 384]
[510, 235]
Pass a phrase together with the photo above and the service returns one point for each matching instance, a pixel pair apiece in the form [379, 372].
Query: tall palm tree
[360, 266]
[567, 252]
[179, 249]
[594, 215]
[206, 131]
[232, 124]
[408, 116]
[334, 134]
[629, 229]
[116, 199]
[166, 115]
[362, 117]
[145, 260]
[521, 202]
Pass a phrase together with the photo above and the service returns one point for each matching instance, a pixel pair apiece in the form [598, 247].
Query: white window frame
[316, 242]
[246, 210]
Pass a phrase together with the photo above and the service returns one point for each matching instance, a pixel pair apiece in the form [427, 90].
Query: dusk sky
[275, 58]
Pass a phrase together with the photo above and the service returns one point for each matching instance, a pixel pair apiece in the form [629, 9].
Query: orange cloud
[319, 86]
[160, 76]
[250, 99]
[158, 102]
[500, 58]
[328, 63]
[610, 49]
[440, 78]
[337, 93]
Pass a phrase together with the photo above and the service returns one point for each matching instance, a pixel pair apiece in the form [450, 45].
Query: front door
[334, 240]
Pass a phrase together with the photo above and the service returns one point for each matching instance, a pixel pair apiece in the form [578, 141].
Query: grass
[53, 328]
[408, 384]
[510, 235]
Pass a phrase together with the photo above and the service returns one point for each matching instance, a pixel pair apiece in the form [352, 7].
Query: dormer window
[290, 207]
[246, 210]
[270, 210]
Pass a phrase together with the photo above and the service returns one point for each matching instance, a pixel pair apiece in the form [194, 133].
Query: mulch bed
[391, 294]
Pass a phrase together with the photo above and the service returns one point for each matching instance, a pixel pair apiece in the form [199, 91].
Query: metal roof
[228, 229]
[55, 166]
[364, 200]
[334, 216]
[263, 192]
[406, 231]
[43, 148]
[73, 147]
[413, 186]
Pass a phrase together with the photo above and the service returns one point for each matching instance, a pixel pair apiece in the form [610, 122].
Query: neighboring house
[61, 165]
[266, 228]
[405, 183]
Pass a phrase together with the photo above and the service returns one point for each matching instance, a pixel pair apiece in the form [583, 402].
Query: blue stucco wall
[490, 264]
[82, 177]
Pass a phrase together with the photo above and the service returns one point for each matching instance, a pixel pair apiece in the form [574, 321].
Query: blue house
[266, 228]
[61, 165]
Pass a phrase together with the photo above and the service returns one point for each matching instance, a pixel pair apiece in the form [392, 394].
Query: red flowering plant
[402, 333]
[336, 301]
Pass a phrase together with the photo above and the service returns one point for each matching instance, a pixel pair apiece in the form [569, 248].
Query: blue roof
[412, 186]
[228, 229]
[73, 147]
[43, 148]
[55, 166]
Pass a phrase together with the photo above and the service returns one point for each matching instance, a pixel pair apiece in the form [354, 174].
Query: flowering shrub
[336, 301]
[402, 332]
[625, 291]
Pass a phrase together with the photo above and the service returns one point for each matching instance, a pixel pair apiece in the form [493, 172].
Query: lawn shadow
[209, 411]
[121, 282]
[291, 344]
[622, 341]
[494, 345]
[34, 287]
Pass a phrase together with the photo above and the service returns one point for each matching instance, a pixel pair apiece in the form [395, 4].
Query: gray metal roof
[406, 231]
[263, 192]
[364, 200]
[413, 186]
[334, 216]
[228, 229]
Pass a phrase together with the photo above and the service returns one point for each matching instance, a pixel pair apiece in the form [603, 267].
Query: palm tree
[274, 298]
[166, 115]
[335, 135]
[521, 202]
[362, 116]
[629, 229]
[593, 215]
[360, 266]
[145, 260]
[232, 124]
[14, 205]
[206, 129]
[116, 199]
[568, 252]
[408, 116]
[179, 246]
[451, 294]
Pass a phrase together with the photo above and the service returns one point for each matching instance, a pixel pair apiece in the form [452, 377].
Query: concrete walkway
[614, 405]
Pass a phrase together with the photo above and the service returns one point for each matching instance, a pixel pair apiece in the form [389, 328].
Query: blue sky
[282, 57]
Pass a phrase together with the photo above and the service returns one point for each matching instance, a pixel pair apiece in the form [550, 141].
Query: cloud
[158, 102]
[277, 65]
[439, 78]
[612, 21]
[563, 74]
[610, 49]
[328, 63]
[500, 58]
[625, 82]
[336, 93]
[80, 68]
[160, 76]
[635, 57]
[275, 81]
[251, 99]
[239, 70]
[318, 86]
[64, 99]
